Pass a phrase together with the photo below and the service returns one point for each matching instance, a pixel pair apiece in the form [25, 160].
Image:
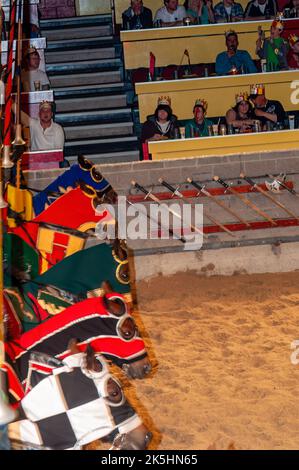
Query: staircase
[84, 66]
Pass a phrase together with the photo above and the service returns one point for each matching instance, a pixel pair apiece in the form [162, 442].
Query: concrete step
[89, 90]
[98, 130]
[94, 117]
[84, 43]
[76, 33]
[80, 54]
[76, 21]
[78, 79]
[106, 147]
[89, 103]
[83, 66]
[113, 157]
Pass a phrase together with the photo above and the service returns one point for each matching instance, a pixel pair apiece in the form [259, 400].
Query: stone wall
[176, 171]
[57, 8]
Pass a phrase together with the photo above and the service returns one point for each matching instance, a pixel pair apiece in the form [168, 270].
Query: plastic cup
[292, 121]
[37, 86]
[215, 129]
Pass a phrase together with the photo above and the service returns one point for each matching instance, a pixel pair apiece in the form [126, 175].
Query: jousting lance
[245, 200]
[268, 196]
[220, 203]
[148, 195]
[181, 196]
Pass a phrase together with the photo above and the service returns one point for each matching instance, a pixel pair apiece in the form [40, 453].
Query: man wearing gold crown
[199, 125]
[274, 49]
[234, 59]
[162, 125]
[260, 10]
[293, 54]
[266, 110]
[45, 134]
[241, 116]
[31, 72]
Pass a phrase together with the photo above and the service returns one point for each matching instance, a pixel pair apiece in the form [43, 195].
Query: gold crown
[293, 39]
[229, 32]
[277, 23]
[31, 50]
[164, 100]
[202, 103]
[257, 89]
[242, 96]
[45, 105]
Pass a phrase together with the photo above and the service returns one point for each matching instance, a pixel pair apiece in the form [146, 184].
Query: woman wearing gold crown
[293, 55]
[31, 72]
[199, 125]
[241, 116]
[162, 125]
[274, 49]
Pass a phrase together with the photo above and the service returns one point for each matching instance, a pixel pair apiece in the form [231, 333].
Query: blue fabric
[221, 15]
[241, 60]
[4, 441]
[71, 178]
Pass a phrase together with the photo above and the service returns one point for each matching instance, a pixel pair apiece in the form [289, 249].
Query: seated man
[162, 125]
[291, 10]
[266, 111]
[228, 11]
[260, 10]
[233, 59]
[199, 126]
[274, 49]
[45, 134]
[172, 14]
[32, 74]
[137, 16]
[293, 55]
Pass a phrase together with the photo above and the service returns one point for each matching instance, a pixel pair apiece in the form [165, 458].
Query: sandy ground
[221, 351]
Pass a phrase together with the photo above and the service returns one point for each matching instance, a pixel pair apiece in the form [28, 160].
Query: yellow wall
[202, 42]
[154, 5]
[218, 91]
[225, 145]
[92, 7]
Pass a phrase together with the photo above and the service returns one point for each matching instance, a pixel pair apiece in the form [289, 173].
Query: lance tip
[242, 175]
[189, 180]
[160, 180]
[133, 183]
[215, 178]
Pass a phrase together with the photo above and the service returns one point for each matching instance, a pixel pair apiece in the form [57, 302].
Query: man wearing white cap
[45, 134]
[32, 75]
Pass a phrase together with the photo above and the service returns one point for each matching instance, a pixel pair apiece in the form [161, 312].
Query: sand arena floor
[221, 348]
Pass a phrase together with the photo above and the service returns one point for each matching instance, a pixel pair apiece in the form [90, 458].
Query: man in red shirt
[293, 55]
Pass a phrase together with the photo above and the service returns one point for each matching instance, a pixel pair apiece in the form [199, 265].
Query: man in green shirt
[199, 125]
[274, 49]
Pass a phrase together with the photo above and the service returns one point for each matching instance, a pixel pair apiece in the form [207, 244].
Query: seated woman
[199, 125]
[200, 11]
[162, 125]
[31, 74]
[241, 116]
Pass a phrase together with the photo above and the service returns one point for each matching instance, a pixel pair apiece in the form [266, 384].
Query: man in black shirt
[266, 110]
[260, 10]
[137, 16]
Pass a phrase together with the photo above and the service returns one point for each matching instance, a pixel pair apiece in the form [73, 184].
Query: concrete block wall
[201, 169]
[57, 8]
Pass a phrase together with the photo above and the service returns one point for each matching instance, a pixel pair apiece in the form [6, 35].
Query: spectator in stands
[200, 11]
[199, 125]
[45, 134]
[137, 16]
[172, 14]
[162, 125]
[274, 49]
[228, 11]
[241, 116]
[260, 10]
[31, 75]
[293, 55]
[291, 10]
[267, 111]
[233, 60]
